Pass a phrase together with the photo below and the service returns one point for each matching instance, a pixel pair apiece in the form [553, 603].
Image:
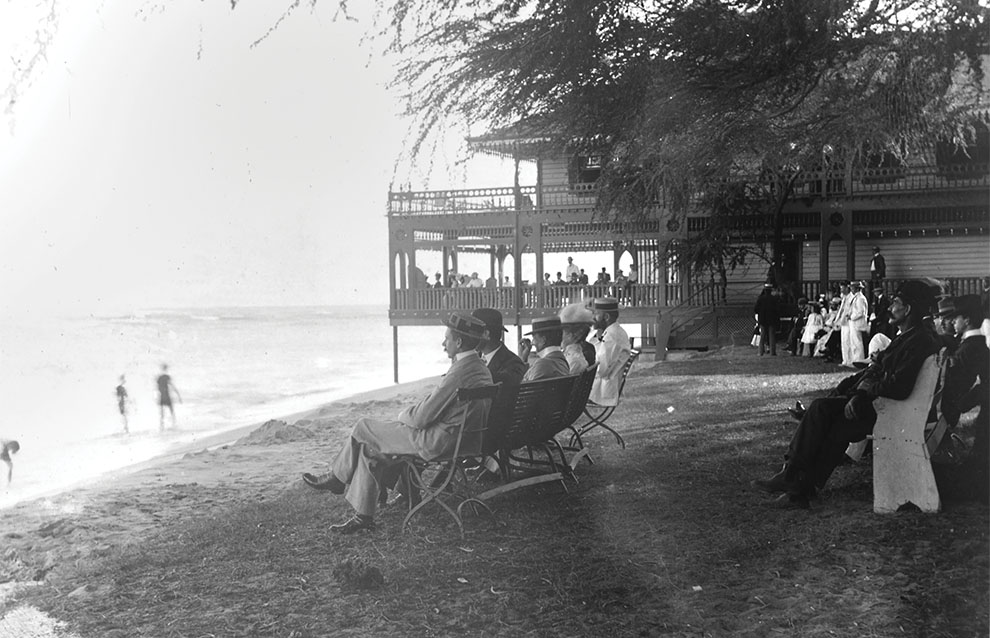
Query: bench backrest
[579, 395]
[633, 355]
[538, 407]
[477, 417]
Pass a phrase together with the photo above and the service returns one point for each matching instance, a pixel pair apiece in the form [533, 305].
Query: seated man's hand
[525, 348]
[854, 407]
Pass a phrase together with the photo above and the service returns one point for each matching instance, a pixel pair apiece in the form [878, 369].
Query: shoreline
[216, 440]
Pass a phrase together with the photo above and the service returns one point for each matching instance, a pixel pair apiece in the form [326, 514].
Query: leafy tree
[689, 99]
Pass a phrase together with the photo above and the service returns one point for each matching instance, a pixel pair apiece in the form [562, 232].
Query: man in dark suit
[831, 423]
[966, 373]
[427, 429]
[547, 337]
[505, 366]
[878, 267]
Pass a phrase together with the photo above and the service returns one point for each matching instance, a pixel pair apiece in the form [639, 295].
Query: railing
[547, 297]
[561, 198]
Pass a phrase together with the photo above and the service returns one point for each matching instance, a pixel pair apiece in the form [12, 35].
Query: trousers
[820, 441]
[362, 464]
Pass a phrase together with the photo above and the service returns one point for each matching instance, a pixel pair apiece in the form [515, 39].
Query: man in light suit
[427, 429]
[611, 351]
[547, 336]
[857, 324]
[505, 366]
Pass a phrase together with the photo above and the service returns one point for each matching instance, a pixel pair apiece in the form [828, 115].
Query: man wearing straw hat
[547, 335]
[611, 351]
[503, 364]
[576, 320]
[428, 429]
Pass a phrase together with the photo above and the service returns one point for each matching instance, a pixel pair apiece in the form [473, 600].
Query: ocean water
[232, 367]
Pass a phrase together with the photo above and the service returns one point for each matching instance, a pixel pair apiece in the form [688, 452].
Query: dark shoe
[326, 481]
[790, 502]
[354, 524]
[774, 484]
[797, 412]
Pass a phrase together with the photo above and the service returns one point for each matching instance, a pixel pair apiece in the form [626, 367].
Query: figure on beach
[122, 402]
[6, 449]
[165, 389]
[360, 470]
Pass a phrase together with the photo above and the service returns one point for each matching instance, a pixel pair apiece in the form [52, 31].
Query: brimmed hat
[546, 324]
[916, 294]
[970, 305]
[608, 304]
[879, 342]
[946, 306]
[466, 325]
[856, 284]
[576, 314]
[492, 319]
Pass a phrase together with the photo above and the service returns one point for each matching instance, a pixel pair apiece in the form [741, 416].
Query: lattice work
[737, 331]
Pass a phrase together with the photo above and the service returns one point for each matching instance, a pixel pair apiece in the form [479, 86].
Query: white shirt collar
[544, 352]
[975, 332]
[465, 354]
[488, 356]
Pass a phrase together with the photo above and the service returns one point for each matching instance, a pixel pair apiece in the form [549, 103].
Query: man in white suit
[857, 315]
[427, 429]
[611, 351]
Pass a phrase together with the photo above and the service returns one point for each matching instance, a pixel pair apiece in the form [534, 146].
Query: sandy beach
[93, 517]
[663, 538]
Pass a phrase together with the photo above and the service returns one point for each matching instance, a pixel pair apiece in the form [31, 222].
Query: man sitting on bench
[967, 364]
[831, 423]
[427, 429]
[612, 350]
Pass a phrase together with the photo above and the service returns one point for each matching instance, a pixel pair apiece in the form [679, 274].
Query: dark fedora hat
[492, 319]
[970, 306]
[546, 324]
[466, 325]
[917, 294]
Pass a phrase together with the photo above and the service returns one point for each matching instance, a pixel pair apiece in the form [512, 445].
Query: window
[584, 169]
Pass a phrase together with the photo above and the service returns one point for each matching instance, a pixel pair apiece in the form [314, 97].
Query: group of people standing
[838, 328]
[165, 390]
[558, 345]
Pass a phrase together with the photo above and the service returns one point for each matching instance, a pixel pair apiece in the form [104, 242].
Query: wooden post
[395, 354]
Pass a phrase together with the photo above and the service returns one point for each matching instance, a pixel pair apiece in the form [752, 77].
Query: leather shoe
[790, 502]
[353, 524]
[326, 481]
[776, 483]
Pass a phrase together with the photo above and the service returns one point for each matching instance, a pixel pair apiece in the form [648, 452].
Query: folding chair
[598, 414]
[443, 479]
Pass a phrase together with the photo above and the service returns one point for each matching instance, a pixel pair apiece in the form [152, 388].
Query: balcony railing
[550, 298]
[581, 197]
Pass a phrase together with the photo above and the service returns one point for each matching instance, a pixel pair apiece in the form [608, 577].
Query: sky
[155, 158]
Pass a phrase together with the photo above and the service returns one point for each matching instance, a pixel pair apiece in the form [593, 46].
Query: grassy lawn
[665, 538]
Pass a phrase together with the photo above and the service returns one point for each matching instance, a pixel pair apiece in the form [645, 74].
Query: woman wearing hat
[576, 321]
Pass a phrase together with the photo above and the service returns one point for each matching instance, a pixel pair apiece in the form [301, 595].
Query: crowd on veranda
[583, 334]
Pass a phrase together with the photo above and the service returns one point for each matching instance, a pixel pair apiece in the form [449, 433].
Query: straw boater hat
[466, 325]
[576, 314]
[608, 304]
[546, 324]
[492, 319]
[856, 284]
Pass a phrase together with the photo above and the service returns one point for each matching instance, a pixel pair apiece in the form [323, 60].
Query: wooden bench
[530, 421]
[904, 439]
